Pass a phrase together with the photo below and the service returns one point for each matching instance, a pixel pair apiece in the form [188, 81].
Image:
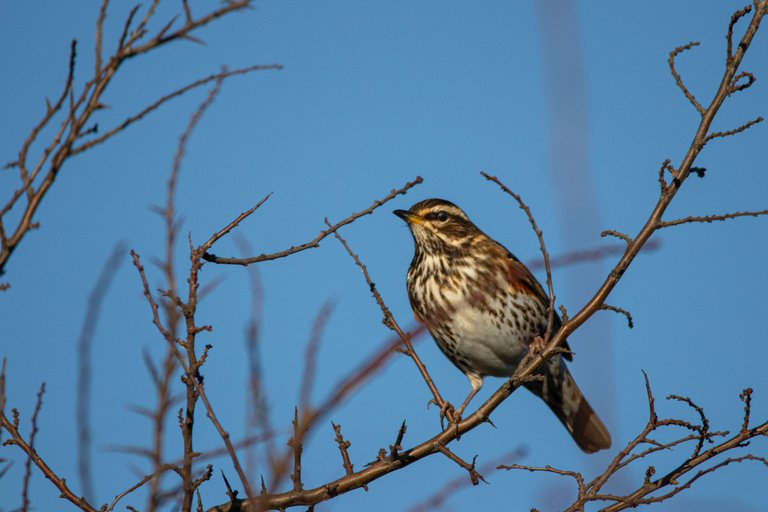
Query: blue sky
[372, 95]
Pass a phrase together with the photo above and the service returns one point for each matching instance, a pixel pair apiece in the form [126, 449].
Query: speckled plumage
[484, 308]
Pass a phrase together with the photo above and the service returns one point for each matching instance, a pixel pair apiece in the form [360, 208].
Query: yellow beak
[410, 218]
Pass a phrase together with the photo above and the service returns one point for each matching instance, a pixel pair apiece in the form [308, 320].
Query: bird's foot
[537, 345]
[447, 412]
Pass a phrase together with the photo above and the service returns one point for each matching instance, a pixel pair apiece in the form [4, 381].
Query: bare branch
[621, 311]
[168, 97]
[740, 129]
[343, 449]
[617, 234]
[441, 495]
[12, 428]
[296, 445]
[578, 478]
[28, 463]
[679, 81]
[232, 225]
[737, 85]
[710, 218]
[474, 476]
[735, 17]
[315, 242]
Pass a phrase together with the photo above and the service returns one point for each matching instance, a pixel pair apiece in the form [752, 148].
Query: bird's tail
[564, 397]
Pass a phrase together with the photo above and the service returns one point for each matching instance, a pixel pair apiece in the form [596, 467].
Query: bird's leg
[476, 381]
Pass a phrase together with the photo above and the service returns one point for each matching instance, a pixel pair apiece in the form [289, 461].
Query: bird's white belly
[490, 339]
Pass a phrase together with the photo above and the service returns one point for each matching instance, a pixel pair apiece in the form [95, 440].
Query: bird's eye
[442, 216]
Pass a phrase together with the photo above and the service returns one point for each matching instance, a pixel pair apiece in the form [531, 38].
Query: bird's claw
[447, 412]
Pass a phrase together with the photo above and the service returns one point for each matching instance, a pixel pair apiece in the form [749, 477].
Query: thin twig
[315, 242]
[28, 463]
[474, 476]
[679, 81]
[168, 97]
[617, 234]
[297, 447]
[440, 496]
[344, 445]
[34, 456]
[621, 311]
[739, 129]
[710, 218]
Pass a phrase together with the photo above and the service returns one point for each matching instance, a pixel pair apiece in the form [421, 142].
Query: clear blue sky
[372, 95]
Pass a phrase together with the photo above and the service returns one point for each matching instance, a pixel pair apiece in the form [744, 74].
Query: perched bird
[484, 308]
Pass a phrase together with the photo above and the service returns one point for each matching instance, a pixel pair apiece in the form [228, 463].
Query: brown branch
[82, 107]
[740, 129]
[152, 476]
[588, 492]
[451, 487]
[701, 433]
[27, 447]
[474, 476]
[166, 98]
[710, 218]
[232, 225]
[679, 81]
[394, 449]
[297, 447]
[28, 463]
[349, 468]
[100, 36]
[665, 166]
[196, 382]
[620, 311]
[315, 242]
[617, 234]
[736, 86]
[735, 17]
[578, 478]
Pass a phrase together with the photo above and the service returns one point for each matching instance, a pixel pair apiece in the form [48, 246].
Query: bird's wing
[520, 276]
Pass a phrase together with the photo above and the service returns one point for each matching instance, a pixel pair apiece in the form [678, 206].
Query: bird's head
[439, 224]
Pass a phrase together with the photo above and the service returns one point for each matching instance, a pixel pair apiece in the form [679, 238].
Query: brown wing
[520, 276]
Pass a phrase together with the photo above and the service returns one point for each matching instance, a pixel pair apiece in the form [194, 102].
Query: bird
[484, 309]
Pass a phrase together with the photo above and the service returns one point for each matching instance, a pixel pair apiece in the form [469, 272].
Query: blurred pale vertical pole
[573, 188]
